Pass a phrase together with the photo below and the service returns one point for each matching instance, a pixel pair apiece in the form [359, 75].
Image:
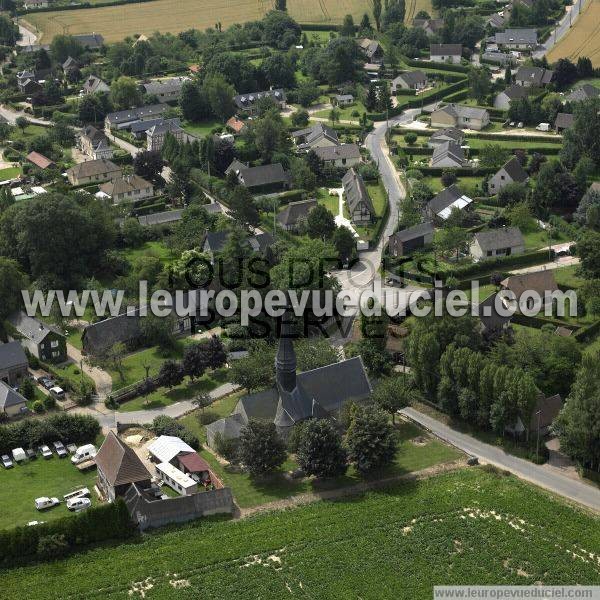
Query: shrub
[27, 389]
[410, 138]
[165, 425]
[261, 448]
[52, 546]
[49, 402]
[226, 447]
[320, 451]
[38, 407]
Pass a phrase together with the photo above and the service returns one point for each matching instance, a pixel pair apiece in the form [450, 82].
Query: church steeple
[285, 360]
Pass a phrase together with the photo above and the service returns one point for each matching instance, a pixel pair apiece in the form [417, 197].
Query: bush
[52, 546]
[165, 425]
[49, 402]
[410, 138]
[27, 389]
[226, 447]
[38, 407]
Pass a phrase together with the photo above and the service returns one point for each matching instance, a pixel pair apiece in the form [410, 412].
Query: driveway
[12, 115]
[130, 148]
[102, 380]
[546, 476]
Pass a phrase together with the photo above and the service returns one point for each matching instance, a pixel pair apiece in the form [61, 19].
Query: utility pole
[537, 445]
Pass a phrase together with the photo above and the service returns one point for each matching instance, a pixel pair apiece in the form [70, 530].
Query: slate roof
[496, 21]
[448, 198]
[411, 78]
[534, 75]
[94, 84]
[228, 427]
[39, 160]
[90, 40]
[411, 233]
[315, 133]
[370, 47]
[456, 110]
[216, 240]
[356, 191]
[564, 120]
[450, 133]
[165, 86]
[244, 101]
[90, 168]
[514, 92]
[101, 336]
[540, 281]
[12, 355]
[293, 211]
[70, 63]
[8, 397]
[450, 150]
[263, 175]
[515, 171]
[119, 463]
[94, 135]
[494, 239]
[161, 218]
[584, 92]
[127, 184]
[445, 50]
[347, 151]
[548, 408]
[31, 328]
[516, 36]
[165, 126]
[133, 114]
[501, 58]
[142, 126]
[494, 321]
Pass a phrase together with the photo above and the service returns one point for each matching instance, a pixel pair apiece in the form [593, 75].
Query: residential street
[11, 116]
[133, 150]
[545, 476]
[572, 12]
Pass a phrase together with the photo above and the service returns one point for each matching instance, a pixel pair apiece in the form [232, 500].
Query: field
[583, 39]
[117, 22]
[465, 527]
[25, 482]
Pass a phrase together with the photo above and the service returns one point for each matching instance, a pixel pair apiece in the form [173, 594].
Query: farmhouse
[542, 416]
[448, 154]
[358, 200]
[319, 135]
[449, 134]
[458, 115]
[128, 187]
[248, 103]
[155, 135]
[372, 50]
[516, 39]
[123, 119]
[94, 85]
[411, 80]
[294, 212]
[263, 179]
[583, 92]
[13, 363]
[165, 90]
[214, 242]
[11, 402]
[492, 317]
[449, 199]
[345, 155]
[533, 76]
[39, 160]
[541, 282]
[405, 241]
[505, 241]
[93, 171]
[512, 92]
[91, 41]
[446, 53]
[510, 172]
[343, 100]
[45, 342]
[563, 121]
[93, 143]
[429, 26]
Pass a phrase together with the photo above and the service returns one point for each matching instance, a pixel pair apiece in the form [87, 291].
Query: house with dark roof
[45, 342]
[214, 242]
[493, 317]
[533, 76]
[405, 241]
[344, 155]
[583, 92]
[429, 26]
[94, 143]
[249, 103]
[124, 119]
[294, 212]
[13, 363]
[445, 53]
[317, 136]
[508, 95]
[541, 418]
[40, 161]
[119, 467]
[165, 217]
[448, 155]
[91, 41]
[360, 206]
[156, 135]
[11, 402]
[93, 171]
[318, 393]
[541, 282]
[372, 50]
[510, 172]
[563, 121]
[165, 90]
[94, 85]
[261, 179]
[440, 207]
[70, 65]
[516, 39]
[342, 100]
[127, 187]
[411, 80]
[493, 243]
[496, 21]
[448, 134]
[461, 116]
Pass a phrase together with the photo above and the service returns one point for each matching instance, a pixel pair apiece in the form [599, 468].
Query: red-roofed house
[197, 468]
[39, 160]
[236, 125]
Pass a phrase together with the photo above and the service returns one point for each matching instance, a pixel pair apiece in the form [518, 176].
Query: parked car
[34, 523]
[7, 463]
[84, 453]
[80, 493]
[19, 455]
[60, 449]
[45, 381]
[44, 502]
[79, 503]
[45, 451]
[31, 454]
[57, 392]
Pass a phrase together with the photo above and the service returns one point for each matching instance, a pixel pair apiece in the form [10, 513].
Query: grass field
[583, 39]
[117, 22]
[22, 484]
[9, 173]
[468, 527]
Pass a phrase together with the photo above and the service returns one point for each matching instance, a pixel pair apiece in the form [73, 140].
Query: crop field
[583, 39]
[466, 527]
[117, 22]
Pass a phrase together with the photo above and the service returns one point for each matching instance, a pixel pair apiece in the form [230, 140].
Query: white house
[446, 53]
[492, 243]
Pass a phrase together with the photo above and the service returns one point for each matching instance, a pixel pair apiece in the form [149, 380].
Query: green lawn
[156, 249]
[466, 527]
[201, 129]
[538, 238]
[345, 112]
[9, 173]
[469, 184]
[72, 373]
[331, 203]
[30, 131]
[568, 276]
[25, 482]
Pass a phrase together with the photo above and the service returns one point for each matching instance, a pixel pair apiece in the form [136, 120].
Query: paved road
[545, 476]
[130, 148]
[11, 116]
[28, 38]
[561, 29]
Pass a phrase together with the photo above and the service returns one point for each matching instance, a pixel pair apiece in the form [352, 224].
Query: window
[53, 344]
[55, 354]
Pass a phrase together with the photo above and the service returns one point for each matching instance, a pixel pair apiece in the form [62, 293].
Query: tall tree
[261, 450]
[320, 451]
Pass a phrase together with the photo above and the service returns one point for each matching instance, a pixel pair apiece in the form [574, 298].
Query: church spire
[285, 360]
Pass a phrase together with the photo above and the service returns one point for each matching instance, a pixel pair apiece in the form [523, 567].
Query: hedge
[539, 321]
[318, 27]
[428, 64]
[501, 264]
[442, 93]
[457, 96]
[148, 209]
[586, 334]
[78, 6]
[101, 523]
[465, 172]
[291, 196]
[516, 138]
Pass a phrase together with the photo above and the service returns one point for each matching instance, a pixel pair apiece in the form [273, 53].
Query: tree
[392, 394]
[307, 93]
[243, 208]
[320, 223]
[193, 362]
[193, 102]
[313, 353]
[27, 389]
[334, 116]
[270, 135]
[319, 449]
[281, 5]
[213, 353]
[149, 165]
[300, 118]
[9, 32]
[519, 215]
[344, 243]
[254, 371]
[170, 374]
[158, 331]
[370, 439]
[220, 96]
[280, 30]
[261, 449]
[583, 137]
[556, 189]
[565, 73]
[279, 70]
[492, 156]
[512, 193]
[394, 13]
[303, 177]
[63, 46]
[588, 250]
[22, 123]
[124, 93]
[377, 13]
[13, 281]
[449, 240]
[348, 28]
[480, 83]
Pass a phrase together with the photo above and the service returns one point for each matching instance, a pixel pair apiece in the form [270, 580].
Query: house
[449, 199]
[214, 242]
[458, 115]
[583, 92]
[411, 80]
[563, 121]
[128, 187]
[343, 100]
[166, 448]
[496, 21]
[123, 119]
[13, 363]
[446, 53]
[498, 58]
[70, 65]
[161, 218]
[91, 41]
[318, 393]
[563, 331]
[345, 155]
[512, 92]
[45, 342]
[448, 134]
[11, 402]
[139, 130]
[28, 86]
[319, 135]
[448, 154]
[493, 318]
[155, 136]
[492, 243]
[372, 50]
[541, 282]
[40, 161]
[516, 39]
[93, 171]
[533, 76]
[510, 172]
[294, 212]
[165, 90]
[541, 418]
[93, 143]
[261, 179]
[119, 467]
[94, 85]
[236, 125]
[248, 103]
[358, 200]
[405, 241]
[429, 26]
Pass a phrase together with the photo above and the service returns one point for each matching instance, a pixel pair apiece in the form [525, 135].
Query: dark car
[60, 449]
[31, 454]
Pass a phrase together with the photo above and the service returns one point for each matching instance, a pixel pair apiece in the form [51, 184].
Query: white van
[84, 453]
[57, 392]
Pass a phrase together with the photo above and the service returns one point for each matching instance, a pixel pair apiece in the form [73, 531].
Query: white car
[45, 502]
[34, 523]
[7, 463]
[79, 503]
[45, 451]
